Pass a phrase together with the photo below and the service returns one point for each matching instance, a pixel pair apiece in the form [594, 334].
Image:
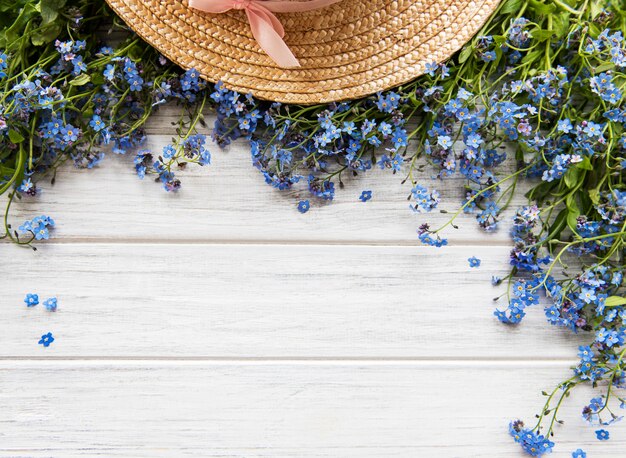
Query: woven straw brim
[347, 50]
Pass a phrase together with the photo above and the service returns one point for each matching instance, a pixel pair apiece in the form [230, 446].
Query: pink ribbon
[266, 28]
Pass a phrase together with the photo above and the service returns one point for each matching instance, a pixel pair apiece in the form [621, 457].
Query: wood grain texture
[268, 301]
[279, 410]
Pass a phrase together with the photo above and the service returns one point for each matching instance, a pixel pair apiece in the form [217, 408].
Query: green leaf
[612, 301]
[570, 203]
[532, 56]
[80, 80]
[15, 136]
[596, 8]
[560, 25]
[604, 67]
[572, 220]
[50, 10]
[594, 195]
[572, 177]
[511, 6]
[465, 54]
[542, 8]
[585, 164]
[542, 35]
[558, 225]
[46, 35]
[16, 30]
[97, 79]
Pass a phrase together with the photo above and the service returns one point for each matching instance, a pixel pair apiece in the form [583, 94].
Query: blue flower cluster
[608, 45]
[282, 148]
[39, 227]
[532, 442]
[425, 200]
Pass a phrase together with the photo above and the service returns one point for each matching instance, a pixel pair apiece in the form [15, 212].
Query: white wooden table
[220, 322]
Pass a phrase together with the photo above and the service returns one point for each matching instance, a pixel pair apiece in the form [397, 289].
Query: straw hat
[345, 49]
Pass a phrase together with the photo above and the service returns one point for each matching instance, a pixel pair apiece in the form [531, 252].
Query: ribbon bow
[266, 28]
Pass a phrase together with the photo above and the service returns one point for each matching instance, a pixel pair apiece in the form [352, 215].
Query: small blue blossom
[444, 141]
[579, 453]
[69, 133]
[474, 261]
[31, 300]
[602, 435]
[169, 152]
[27, 186]
[109, 72]
[96, 123]
[488, 56]
[431, 68]
[365, 196]
[46, 339]
[50, 304]
[303, 206]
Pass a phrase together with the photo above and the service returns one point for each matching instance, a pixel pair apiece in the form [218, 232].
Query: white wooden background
[220, 322]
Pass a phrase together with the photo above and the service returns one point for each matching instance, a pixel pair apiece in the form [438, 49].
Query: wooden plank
[229, 201]
[247, 300]
[335, 409]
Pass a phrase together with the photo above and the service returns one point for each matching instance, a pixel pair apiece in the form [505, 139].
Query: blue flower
[50, 304]
[169, 151]
[79, 65]
[41, 232]
[26, 186]
[473, 140]
[109, 72]
[385, 128]
[579, 454]
[46, 339]
[585, 353]
[474, 261]
[31, 300]
[303, 206]
[564, 125]
[96, 123]
[365, 196]
[69, 133]
[593, 129]
[602, 435]
[136, 83]
[431, 68]
[488, 56]
[444, 141]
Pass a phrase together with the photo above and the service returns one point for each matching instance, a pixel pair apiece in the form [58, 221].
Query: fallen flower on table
[50, 304]
[303, 206]
[31, 300]
[46, 339]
